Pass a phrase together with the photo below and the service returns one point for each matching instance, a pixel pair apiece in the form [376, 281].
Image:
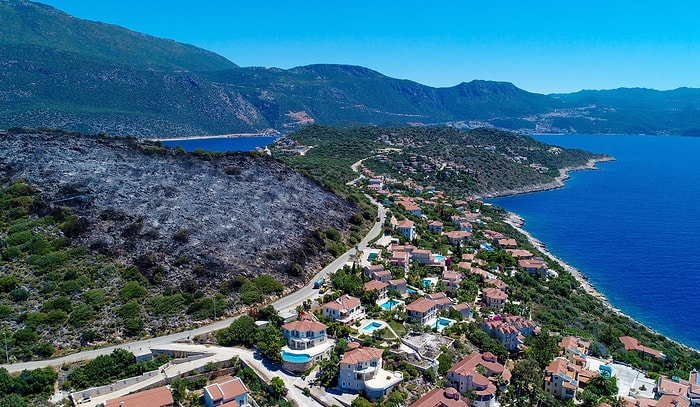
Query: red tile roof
[158, 397]
[361, 355]
[441, 398]
[344, 302]
[304, 325]
[375, 285]
[421, 305]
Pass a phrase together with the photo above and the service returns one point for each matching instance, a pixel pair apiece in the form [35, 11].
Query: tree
[544, 349]
[242, 331]
[277, 384]
[527, 375]
[12, 400]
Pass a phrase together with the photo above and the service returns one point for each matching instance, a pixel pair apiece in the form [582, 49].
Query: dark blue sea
[633, 227]
[223, 144]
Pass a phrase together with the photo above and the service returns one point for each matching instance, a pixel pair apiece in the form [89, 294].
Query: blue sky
[541, 46]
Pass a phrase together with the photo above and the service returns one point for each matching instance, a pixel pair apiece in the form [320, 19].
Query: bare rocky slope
[180, 217]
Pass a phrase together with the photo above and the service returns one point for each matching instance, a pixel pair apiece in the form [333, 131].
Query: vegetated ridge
[134, 237]
[58, 71]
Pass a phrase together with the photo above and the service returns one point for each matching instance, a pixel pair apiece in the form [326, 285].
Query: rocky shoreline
[557, 183]
[517, 222]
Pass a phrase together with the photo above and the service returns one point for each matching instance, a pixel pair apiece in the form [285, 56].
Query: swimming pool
[410, 290]
[486, 246]
[390, 304]
[605, 371]
[426, 282]
[444, 321]
[295, 357]
[373, 326]
[439, 257]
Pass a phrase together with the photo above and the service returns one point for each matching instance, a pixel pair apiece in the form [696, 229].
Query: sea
[222, 144]
[632, 227]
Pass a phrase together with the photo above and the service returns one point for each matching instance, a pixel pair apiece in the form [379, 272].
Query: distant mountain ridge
[62, 72]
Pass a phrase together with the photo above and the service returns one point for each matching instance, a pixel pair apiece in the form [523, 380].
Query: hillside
[57, 71]
[133, 237]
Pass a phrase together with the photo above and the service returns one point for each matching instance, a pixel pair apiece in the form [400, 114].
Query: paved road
[283, 304]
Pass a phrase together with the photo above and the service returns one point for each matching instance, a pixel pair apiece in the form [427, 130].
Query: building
[561, 379]
[634, 344]
[398, 285]
[510, 330]
[304, 334]
[575, 350]
[345, 309]
[448, 397]
[451, 279]
[227, 394]
[507, 242]
[406, 228]
[533, 266]
[372, 269]
[464, 309]
[494, 298]
[307, 342]
[158, 397]
[361, 370]
[456, 237]
[435, 226]
[443, 301]
[378, 286]
[481, 373]
[422, 310]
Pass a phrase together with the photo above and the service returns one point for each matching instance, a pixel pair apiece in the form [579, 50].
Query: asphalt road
[286, 303]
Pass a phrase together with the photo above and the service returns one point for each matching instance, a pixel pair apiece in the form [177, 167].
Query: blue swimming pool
[439, 257]
[444, 321]
[486, 246]
[390, 304]
[605, 371]
[426, 282]
[371, 327]
[295, 357]
[410, 290]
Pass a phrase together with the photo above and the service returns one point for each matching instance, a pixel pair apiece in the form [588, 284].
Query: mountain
[58, 71]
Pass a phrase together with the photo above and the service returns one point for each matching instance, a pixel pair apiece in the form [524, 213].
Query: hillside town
[424, 316]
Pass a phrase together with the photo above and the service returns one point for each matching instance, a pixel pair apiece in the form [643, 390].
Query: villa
[494, 298]
[428, 258]
[507, 242]
[345, 309]
[406, 228]
[448, 397]
[158, 397]
[443, 301]
[683, 392]
[464, 309]
[561, 379]
[307, 342]
[451, 279]
[422, 310]
[227, 394]
[435, 226]
[456, 237]
[633, 344]
[361, 369]
[520, 254]
[510, 330]
[379, 286]
[533, 266]
[398, 285]
[478, 372]
[575, 350]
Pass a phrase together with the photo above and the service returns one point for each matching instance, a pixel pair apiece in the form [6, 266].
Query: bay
[222, 144]
[633, 227]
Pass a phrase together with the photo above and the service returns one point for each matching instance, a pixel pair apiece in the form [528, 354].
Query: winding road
[284, 305]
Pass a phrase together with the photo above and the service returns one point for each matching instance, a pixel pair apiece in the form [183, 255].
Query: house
[422, 310]
[384, 276]
[451, 279]
[401, 259]
[510, 330]
[443, 301]
[427, 258]
[507, 243]
[227, 394]
[633, 344]
[464, 309]
[457, 236]
[520, 253]
[406, 228]
[307, 342]
[533, 266]
[500, 284]
[479, 372]
[438, 397]
[372, 269]
[494, 298]
[398, 285]
[574, 350]
[361, 369]
[411, 208]
[345, 309]
[304, 334]
[561, 379]
[435, 226]
[158, 397]
[379, 286]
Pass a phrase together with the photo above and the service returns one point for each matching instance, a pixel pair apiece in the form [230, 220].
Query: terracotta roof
[226, 390]
[669, 400]
[375, 285]
[344, 302]
[494, 293]
[361, 355]
[441, 398]
[421, 305]
[406, 223]
[304, 325]
[398, 281]
[157, 397]
[633, 344]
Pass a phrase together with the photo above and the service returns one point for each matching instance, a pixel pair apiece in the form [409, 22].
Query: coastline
[558, 182]
[517, 222]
